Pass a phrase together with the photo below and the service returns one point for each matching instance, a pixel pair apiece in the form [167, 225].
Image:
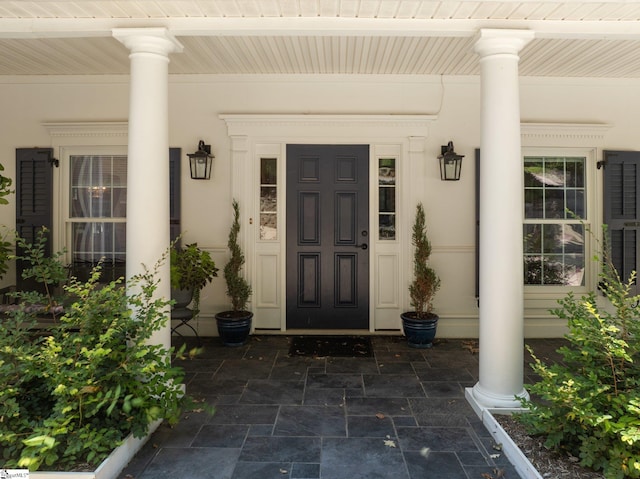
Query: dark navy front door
[327, 236]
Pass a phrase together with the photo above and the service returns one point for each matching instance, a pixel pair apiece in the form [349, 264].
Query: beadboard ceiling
[407, 37]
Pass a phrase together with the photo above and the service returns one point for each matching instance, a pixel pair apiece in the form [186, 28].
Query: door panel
[327, 226]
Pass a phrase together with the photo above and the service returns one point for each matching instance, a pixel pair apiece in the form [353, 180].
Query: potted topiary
[234, 326]
[191, 269]
[420, 324]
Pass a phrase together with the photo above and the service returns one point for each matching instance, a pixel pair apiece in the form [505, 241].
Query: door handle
[361, 246]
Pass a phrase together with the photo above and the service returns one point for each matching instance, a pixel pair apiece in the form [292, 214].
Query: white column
[501, 215]
[148, 155]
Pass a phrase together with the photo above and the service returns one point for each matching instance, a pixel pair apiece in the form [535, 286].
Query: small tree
[238, 289]
[425, 282]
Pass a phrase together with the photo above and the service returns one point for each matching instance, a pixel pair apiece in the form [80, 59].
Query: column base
[490, 400]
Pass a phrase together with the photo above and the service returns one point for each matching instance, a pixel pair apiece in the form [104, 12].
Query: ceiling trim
[316, 26]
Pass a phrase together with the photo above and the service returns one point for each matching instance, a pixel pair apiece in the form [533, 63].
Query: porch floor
[400, 414]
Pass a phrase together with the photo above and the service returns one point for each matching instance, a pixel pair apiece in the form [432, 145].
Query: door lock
[362, 246]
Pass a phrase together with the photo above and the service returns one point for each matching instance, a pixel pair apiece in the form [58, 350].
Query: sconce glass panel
[387, 198]
[268, 199]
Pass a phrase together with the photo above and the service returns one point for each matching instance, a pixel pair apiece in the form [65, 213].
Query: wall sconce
[201, 162]
[450, 163]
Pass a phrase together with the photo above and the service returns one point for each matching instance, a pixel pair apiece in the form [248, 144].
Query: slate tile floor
[401, 414]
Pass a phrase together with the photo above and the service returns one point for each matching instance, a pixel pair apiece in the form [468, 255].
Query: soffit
[406, 37]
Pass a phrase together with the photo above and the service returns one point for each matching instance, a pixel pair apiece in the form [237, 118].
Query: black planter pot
[421, 332]
[234, 327]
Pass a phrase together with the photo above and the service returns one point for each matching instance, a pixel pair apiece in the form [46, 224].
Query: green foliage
[73, 395]
[192, 268]
[425, 282]
[589, 403]
[238, 289]
[46, 270]
[6, 246]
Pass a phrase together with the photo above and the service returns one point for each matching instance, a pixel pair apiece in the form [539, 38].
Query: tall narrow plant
[238, 289]
[425, 282]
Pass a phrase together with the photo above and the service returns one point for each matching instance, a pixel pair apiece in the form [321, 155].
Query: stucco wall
[196, 101]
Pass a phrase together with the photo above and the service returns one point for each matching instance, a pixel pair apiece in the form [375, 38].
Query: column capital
[148, 40]
[502, 41]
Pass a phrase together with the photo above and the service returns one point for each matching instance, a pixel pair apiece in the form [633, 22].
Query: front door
[327, 236]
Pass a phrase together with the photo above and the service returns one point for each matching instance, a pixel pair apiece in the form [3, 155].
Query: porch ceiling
[409, 37]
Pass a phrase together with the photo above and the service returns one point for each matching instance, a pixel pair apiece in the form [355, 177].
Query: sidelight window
[268, 199]
[387, 198]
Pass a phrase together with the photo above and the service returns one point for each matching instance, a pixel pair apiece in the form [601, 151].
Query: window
[387, 198]
[555, 207]
[98, 198]
[268, 198]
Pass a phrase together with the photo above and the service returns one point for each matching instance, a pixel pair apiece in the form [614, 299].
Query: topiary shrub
[589, 403]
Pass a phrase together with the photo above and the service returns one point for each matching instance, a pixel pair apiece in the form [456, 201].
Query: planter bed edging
[111, 466]
[509, 448]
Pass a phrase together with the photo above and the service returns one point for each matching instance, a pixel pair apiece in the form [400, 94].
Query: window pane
[387, 226]
[554, 204]
[268, 199]
[534, 203]
[386, 198]
[98, 186]
[268, 171]
[533, 173]
[554, 254]
[95, 241]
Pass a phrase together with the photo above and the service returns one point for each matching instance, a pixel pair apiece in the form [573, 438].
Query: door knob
[362, 246]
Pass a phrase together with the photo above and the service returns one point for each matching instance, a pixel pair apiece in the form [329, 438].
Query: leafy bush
[74, 394]
[589, 403]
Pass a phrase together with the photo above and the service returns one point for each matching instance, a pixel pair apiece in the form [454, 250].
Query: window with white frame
[97, 209]
[555, 210]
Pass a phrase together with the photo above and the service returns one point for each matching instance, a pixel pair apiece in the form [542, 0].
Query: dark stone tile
[437, 439]
[310, 421]
[372, 406]
[291, 368]
[351, 365]
[422, 408]
[244, 369]
[324, 397]
[341, 381]
[447, 389]
[262, 470]
[385, 357]
[305, 471]
[389, 386]
[207, 385]
[370, 426]
[182, 433]
[396, 368]
[443, 465]
[445, 374]
[260, 430]
[197, 365]
[244, 414]
[503, 472]
[223, 435]
[404, 421]
[281, 449]
[361, 458]
[194, 463]
[471, 458]
[442, 420]
[272, 391]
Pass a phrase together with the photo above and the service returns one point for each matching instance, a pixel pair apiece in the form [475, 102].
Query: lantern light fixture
[201, 162]
[450, 163]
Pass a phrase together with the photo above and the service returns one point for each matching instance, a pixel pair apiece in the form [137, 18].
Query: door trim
[255, 136]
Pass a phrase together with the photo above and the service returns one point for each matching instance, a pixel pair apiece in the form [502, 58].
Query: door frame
[256, 136]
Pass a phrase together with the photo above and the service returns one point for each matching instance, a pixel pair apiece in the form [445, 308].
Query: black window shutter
[34, 193]
[174, 192]
[622, 208]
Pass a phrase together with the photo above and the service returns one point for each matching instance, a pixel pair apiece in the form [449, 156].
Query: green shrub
[589, 403]
[73, 395]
